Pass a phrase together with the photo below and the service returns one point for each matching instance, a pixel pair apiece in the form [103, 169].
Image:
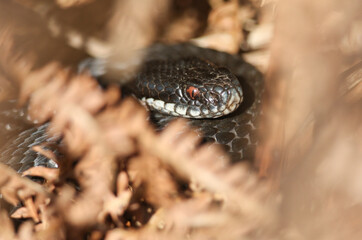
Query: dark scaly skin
[236, 131]
[18, 135]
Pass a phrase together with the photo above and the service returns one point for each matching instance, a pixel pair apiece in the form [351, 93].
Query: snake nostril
[211, 99]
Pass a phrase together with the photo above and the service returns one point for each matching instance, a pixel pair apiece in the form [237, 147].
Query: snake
[220, 94]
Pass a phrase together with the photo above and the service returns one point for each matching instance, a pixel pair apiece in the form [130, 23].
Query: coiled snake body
[235, 131]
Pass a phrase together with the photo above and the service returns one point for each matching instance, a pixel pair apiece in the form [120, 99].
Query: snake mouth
[227, 104]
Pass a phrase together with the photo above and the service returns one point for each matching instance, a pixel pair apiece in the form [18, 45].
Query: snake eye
[193, 92]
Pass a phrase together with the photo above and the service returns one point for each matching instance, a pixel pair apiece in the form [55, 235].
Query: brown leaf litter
[120, 179]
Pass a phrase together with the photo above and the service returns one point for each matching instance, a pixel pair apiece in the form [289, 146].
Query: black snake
[236, 131]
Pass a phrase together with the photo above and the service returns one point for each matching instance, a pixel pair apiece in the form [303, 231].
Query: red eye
[193, 92]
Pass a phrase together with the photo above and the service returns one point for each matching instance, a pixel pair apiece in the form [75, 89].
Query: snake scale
[236, 132]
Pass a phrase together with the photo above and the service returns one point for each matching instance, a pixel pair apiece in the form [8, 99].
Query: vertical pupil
[192, 92]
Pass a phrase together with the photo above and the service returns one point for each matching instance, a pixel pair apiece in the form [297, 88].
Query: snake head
[191, 88]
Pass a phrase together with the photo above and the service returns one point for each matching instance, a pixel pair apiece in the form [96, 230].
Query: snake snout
[236, 97]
